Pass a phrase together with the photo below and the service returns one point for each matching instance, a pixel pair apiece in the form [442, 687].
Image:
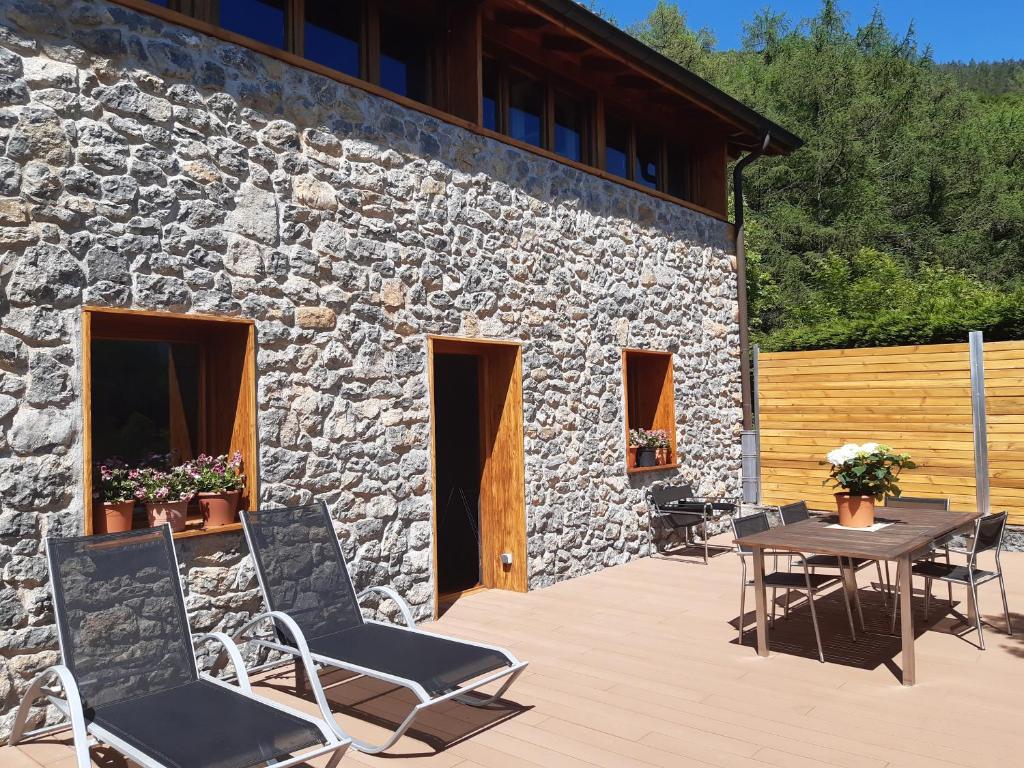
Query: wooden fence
[916, 399]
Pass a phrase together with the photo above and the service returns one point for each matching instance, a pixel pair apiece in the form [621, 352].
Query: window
[649, 400]
[404, 57]
[570, 127]
[648, 161]
[331, 35]
[616, 149]
[167, 384]
[677, 175]
[262, 20]
[491, 94]
[525, 109]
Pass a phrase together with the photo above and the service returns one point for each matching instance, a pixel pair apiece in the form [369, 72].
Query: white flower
[843, 454]
[868, 448]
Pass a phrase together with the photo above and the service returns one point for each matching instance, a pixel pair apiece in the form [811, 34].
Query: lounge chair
[316, 612]
[129, 676]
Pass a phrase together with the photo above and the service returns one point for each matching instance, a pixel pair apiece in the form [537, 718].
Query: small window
[525, 109]
[166, 385]
[677, 175]
[650, 403]
[492, 95]
[261, 20]
[570, 127]
[331, 34]
[616, 149]
[404, 58]
[648, 160]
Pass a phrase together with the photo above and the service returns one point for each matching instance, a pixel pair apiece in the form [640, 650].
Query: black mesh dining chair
[946, 543]
[988, 537]
[810, 584]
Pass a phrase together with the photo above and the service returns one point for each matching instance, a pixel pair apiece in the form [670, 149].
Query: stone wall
[144, 165]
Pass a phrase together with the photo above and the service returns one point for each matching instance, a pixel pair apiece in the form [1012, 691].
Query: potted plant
[662, 445]
[166, 495]
[116, 497]
[219, 482]
[646, 446]
[866, 473]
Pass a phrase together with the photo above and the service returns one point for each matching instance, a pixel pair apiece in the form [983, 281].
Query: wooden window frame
[224, 378]
[657, 388]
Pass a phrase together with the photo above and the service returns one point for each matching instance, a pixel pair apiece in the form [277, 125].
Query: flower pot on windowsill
[856, 511]
[113, 518]
[663, 456]
[219, 509]
[646, 457]
[164, 512]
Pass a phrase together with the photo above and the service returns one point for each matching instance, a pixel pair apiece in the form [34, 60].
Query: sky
[986, 30]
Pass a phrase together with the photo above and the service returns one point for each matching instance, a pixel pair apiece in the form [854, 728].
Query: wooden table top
[911, 530]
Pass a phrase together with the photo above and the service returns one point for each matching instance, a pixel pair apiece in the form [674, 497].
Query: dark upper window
[332, 35]
[616, 147]
[491, 95]
[261, 20]
[648, 160]
[404, 57]
[525, 109]
[677, 175]
[570, 127]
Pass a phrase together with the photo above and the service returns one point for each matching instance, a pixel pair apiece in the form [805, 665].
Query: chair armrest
[74, 713]
[241, 675]
[390, 594]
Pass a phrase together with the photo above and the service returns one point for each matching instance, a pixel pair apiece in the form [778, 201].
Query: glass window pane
[491, 94]
[261, 20]
[570, 127]
[525, 110]
[678, 173]
[648, 158]
[158, 413]
[332, 34]
[403, 57]
[616, 149]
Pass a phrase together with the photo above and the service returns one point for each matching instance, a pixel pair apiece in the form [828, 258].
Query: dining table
[899, 535]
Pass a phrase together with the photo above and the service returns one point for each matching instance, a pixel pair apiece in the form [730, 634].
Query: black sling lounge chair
[316, 612]
[129, 676]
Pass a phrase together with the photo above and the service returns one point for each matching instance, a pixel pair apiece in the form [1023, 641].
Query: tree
[665, 31]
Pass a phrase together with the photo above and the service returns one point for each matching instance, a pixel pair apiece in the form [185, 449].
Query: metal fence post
[751, 439]
[977, 351]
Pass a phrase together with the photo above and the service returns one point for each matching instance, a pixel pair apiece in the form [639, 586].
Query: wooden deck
[639, 666]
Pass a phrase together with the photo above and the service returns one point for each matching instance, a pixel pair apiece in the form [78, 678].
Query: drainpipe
[751, 491]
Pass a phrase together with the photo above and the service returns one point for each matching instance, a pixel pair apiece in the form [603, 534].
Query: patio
[639, 665]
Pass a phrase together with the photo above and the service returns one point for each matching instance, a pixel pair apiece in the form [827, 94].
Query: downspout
[750, 451]
[741, 282]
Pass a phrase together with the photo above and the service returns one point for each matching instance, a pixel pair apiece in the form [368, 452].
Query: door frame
[440, 344]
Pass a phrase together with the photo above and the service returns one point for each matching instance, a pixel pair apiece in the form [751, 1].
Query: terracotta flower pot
[856, 511]
[219, 508]
[163, 512]
[646, 457]
[114, 518]
[663, 456]
[632, 456]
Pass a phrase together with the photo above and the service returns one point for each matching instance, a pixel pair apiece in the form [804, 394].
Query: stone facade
[144, 165]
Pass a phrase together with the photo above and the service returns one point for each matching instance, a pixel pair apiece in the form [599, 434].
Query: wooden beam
[563, 43]
[519, 20]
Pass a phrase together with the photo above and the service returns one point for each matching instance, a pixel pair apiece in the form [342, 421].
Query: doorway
[477, 458]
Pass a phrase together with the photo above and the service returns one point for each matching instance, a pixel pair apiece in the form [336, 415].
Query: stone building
[425, 261]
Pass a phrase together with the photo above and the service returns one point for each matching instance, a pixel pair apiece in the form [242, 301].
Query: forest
[901, 221]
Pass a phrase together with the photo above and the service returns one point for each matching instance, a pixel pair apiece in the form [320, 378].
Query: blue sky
[986, 30]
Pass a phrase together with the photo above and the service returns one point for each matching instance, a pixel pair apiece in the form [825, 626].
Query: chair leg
[949, 584]
[743, 599]
[704, 535]
[814, 621]
[849, 611]
[896, 603]
[1006, 606]
[927, 597]
[852, 575]
[883, 587]
[977, 616]
[775, 595]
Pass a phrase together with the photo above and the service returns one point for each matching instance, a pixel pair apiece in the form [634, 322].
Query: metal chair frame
[810, 590]
[923, 502]
[311, 662]
[708, 512]
[67, 700]
[972, 582]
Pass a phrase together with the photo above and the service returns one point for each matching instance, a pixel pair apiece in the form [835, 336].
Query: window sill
[191, 531]
[658, 468]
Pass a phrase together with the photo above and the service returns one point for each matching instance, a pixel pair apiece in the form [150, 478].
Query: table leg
[762, 602]
[907, 620]
[972, 608]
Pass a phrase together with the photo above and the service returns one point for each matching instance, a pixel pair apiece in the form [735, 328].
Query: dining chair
[799, 511]
[988, 537]
[806, 582]
[925, 502]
